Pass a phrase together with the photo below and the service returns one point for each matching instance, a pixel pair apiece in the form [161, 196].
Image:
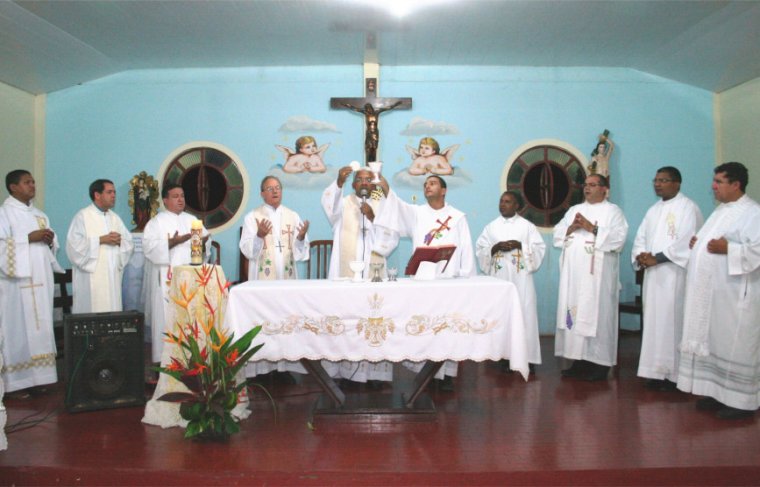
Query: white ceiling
[50, 45]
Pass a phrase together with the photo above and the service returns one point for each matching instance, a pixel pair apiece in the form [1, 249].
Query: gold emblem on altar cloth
[375, 327]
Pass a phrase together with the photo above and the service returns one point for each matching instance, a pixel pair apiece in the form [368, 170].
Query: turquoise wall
[123, 124]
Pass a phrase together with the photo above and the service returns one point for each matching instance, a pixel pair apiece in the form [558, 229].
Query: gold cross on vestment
[31, 286]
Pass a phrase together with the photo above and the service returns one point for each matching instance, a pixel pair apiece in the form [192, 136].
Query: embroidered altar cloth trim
[477, 318]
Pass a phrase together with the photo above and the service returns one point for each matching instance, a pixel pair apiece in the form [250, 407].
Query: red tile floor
[494, 430]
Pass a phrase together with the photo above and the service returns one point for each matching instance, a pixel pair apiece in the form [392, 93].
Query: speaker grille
[104, 360]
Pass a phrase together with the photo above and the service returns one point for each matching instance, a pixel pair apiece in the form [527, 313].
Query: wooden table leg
[314, 367]
[422, 379]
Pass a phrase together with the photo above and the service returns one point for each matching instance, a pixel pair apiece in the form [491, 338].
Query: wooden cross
[371, 106]
[443, 226]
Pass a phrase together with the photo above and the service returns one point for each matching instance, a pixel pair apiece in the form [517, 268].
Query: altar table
[477, 318]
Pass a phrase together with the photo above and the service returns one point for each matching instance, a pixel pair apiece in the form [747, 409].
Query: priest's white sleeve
[82, 250]
[536, 249]
[483, 247]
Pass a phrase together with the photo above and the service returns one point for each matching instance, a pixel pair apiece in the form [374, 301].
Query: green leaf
[178, 397]
[193, 429]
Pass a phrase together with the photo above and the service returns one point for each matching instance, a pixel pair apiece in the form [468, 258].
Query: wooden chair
[636, 306]
[64, 301]
[242, 262]
[318, 265]
[217, 252]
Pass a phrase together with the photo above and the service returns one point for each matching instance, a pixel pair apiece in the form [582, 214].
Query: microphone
[364, 193]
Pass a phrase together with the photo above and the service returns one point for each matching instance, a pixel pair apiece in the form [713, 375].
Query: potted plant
[207, 363]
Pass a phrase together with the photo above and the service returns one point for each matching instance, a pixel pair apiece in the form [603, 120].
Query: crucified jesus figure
[372, 133]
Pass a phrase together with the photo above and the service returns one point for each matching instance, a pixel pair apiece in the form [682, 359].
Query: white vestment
[587, 309]
[97, 269]
[353, 239]
[427, 227]
[26, 298]
[720, 351]
[275, 258]
[667, 228]
[353, 233]
[159, 259]
[516, 266]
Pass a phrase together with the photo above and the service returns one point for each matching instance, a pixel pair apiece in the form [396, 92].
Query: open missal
[429, 254]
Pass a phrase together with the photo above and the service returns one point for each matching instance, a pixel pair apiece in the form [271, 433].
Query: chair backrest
[318, 265]
[217, 252]
[640, 284]
[242, 262]
[65, 300]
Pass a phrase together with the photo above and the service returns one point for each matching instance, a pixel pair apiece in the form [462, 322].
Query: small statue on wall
[143, 199]
[306, 158]
[600, 156]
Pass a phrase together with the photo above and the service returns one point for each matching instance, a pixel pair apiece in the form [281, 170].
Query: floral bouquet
[208, 362]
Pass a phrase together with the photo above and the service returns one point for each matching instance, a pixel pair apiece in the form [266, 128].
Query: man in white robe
[511, 248]
[27, 262]
[352, 219]
[273, 239]
[98, 246]
[720, 351]
[166, 244]
[433, 224]
[591, 236]
[661, 248]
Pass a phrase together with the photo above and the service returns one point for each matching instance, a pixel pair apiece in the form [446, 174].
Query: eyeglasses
[272, 189]
[661, 180]
[591, 185]
[368, 179]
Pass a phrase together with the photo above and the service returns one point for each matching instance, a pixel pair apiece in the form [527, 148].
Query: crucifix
[371, 106]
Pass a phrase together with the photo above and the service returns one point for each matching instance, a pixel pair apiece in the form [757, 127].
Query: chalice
[375, 167]
[357, 266]
[376, 268]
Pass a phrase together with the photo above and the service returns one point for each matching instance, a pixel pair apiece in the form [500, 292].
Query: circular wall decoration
[214, 182]
[549, 175]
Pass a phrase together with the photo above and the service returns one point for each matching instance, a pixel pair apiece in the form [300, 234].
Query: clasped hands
[580, 222]
[506, 246]
[714, 246]
[264, 227]
[646, 259]
[111, 238]
[45, 235]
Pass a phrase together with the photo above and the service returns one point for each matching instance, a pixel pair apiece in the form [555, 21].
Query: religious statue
[600, 156]
[428, 158]
[306, 158]
[143, 199]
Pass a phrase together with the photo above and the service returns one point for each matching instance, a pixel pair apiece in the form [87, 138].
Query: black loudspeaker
[104, 360]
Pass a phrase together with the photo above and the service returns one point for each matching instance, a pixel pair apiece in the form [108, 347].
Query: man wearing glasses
[661, 248]
[273, 240]
[274, 237]
[591, 236]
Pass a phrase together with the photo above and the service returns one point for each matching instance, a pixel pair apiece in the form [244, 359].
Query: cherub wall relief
[306, 158]
[304, 164]
[428, 158]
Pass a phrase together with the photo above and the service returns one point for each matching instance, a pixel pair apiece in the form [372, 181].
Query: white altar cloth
[477, 318]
